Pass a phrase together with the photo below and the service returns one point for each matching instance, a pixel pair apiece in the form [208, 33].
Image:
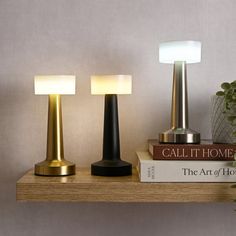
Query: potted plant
[223, 116]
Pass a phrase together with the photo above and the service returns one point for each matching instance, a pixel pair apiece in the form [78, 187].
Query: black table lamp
[111, 163]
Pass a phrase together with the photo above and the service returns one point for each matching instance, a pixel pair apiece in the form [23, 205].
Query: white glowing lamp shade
[188, 51]
[111, 84]
[54, 84]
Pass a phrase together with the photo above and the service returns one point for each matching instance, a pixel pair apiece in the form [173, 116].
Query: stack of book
[205, 162]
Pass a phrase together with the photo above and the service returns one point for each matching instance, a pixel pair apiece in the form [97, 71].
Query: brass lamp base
[179, 135]
[54, 168]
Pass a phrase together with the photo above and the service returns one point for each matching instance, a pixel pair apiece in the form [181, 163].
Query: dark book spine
[214, 152]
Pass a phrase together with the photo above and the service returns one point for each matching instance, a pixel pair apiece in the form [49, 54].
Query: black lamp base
[111, 168]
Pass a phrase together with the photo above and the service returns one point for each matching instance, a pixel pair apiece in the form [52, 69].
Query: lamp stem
[180, 131]
[179, 110]
[111, 140]
[55, 150]
[55, 164]
[111, 163]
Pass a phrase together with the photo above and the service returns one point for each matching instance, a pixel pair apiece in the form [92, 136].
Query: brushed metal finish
[179, 110]
[179, 136]
[179, 132]
[55, 164]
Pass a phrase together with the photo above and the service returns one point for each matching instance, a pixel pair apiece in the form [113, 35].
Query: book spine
[185, 171]
[192, 152]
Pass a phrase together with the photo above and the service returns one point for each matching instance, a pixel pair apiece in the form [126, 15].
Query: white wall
[85, 37]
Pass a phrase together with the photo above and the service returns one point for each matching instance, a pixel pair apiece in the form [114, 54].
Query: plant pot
[222, 130]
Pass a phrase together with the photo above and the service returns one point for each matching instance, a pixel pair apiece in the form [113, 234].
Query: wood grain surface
[83, 187]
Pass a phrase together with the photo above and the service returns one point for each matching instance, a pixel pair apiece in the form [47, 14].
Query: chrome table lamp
[180, 53]
[111, 163]
[55, 164]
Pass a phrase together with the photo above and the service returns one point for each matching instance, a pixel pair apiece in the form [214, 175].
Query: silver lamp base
[179, 135]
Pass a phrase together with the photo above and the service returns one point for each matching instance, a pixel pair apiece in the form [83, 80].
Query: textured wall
[85, 37]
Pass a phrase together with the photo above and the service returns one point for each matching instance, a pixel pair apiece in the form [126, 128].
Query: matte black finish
[111, 164]
[111, 168]
[111, 136]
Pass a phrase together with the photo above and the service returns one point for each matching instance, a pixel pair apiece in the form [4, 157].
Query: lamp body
[111, 136]
[55, 164]
[179, 132]
[111, 163]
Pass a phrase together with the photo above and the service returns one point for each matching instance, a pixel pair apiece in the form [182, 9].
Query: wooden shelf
[83, 187]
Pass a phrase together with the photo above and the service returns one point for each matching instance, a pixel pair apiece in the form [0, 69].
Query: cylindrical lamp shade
[187, 51]
[111, 84]
[54, 84]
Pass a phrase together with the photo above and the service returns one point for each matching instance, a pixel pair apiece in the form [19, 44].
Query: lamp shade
[54, 84]
[188, 51]
[111, 84]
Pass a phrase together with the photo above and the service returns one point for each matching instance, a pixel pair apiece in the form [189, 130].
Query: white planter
[221, 128]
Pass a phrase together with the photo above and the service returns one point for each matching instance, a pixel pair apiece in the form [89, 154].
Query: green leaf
[228, 97]
[227, 107]
[220, 93]
[233, 84]
[225, 86]
[234, 133]
[231, 118]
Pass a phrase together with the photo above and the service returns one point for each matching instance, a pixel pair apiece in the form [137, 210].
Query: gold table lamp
[54, 85]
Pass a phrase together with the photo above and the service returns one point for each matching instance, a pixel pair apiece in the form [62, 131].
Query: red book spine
[214, 152]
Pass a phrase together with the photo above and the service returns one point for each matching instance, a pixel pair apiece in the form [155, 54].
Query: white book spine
[184, 171]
